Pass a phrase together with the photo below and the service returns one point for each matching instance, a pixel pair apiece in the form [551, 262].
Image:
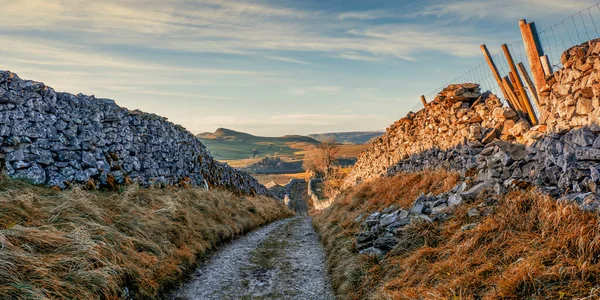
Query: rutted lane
[283, 260]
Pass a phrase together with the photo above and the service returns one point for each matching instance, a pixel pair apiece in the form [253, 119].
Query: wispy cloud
[290, 60]
[505, 10]
[356, 56]
[324, 89]
[239, 28]
[408, 41]
[318, 119]
[364, 15]
[217, 52]
[154, 92]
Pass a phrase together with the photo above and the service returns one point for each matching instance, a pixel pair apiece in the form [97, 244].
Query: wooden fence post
[546, 65]
[518, 85]
[494, 70]
[423, 101]
[520, 109]
[529, 83]
[511, 95]
[534, 51]
[515, 89]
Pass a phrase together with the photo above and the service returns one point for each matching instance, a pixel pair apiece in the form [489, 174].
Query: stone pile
[60, 139]
[382, 231]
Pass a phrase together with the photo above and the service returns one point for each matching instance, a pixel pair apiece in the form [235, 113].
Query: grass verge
[529, 246]
[78, 244]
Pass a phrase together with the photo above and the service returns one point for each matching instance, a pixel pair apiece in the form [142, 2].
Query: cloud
[42, 52]
[140, 91]
[323, 89]
[356, 56]
[511, 10]
[290, 60]
[317, 119]
[364, 15]
[237, 28]
[408, 41]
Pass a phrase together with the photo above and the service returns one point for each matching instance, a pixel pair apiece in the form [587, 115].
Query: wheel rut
[282, 260]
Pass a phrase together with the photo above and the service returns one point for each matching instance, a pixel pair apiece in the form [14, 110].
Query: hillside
[355, 137]
[468, 198]
[521, 245]
[226, 144]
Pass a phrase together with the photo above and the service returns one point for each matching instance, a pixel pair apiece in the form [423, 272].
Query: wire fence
[578, 28]
[554, 40]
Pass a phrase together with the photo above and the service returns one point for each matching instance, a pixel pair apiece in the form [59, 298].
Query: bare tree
[328, 150]
[320, 161]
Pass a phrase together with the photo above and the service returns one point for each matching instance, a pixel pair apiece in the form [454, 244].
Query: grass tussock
[78, 244]
[529, 247]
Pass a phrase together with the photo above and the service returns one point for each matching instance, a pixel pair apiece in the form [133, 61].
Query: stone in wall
[60, 139]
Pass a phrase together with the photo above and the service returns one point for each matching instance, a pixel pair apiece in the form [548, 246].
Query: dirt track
[283, 260]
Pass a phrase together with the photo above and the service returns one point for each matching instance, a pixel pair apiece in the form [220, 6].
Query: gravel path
[283, 260]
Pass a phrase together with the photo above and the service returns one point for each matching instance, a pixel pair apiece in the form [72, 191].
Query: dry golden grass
[87, 245]
[529, 247]
[241, 163]
[352, 150]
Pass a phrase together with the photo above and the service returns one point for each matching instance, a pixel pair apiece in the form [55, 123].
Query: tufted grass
[530, 247]
[78, 244]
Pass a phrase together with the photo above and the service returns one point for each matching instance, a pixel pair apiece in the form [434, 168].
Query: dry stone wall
[459, 115]
[501, 150]
[571, 97]
[560, 157]
[59, 139]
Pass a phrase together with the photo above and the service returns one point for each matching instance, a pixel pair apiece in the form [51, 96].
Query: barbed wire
[574, 30]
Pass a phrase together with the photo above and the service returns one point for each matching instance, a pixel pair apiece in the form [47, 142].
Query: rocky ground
[283, 260]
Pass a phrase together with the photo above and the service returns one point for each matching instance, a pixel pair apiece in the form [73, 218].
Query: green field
[229, 145]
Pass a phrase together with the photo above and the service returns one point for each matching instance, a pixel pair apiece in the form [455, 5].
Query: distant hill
[247, 151]
[232, 135]
[227, 144]
[356, 137]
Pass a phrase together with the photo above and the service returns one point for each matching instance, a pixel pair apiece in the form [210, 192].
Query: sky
[263, 67]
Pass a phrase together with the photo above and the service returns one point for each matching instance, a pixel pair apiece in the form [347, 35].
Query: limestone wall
[59, 139]
[571, 96]
[561, 156]
[460, 114]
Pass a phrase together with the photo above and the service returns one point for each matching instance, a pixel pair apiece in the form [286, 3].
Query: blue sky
[264, 67]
